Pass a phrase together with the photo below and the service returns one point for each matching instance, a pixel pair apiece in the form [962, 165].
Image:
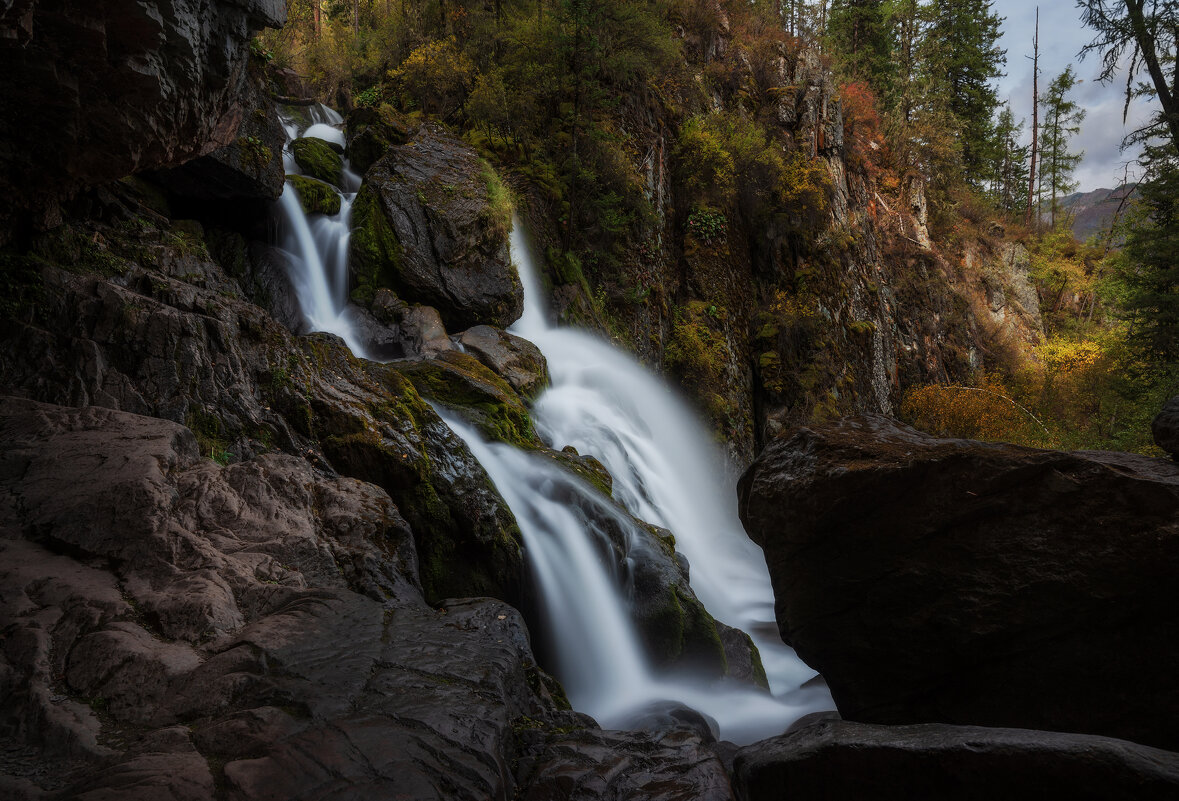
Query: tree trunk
[1035, 119]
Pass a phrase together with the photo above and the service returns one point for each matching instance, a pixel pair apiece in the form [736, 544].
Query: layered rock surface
[974, 583]
[176, 628]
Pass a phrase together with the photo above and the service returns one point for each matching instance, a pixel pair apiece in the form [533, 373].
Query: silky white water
[318, 244]
[666, 471]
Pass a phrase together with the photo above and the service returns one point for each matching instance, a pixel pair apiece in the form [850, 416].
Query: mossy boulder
[429, 224]
[460, 381]
[679, 633]
[371, 132]
[318, 160]
[513, 358]
[315, 197]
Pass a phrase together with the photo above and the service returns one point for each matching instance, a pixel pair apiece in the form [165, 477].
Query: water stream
[666, 471]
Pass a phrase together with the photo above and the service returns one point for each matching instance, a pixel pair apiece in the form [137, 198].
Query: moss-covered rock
[371, 132]
[680, 634]
[514, 358]
[430, 225]
[318, 160]
[462, 382]
[316, 197]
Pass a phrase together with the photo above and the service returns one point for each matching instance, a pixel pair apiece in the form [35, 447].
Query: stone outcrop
[974, 583]
[513, 358]
[250, 168]
[840, 759]
[98, 90]
[427, 227]
[177, 628]
[176, 340]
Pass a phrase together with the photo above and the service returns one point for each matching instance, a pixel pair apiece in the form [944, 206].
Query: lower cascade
[665, 470]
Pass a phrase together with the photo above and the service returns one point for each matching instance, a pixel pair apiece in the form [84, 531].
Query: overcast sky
[1061, 38]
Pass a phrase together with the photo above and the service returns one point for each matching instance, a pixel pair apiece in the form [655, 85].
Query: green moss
[255, 154]
[462, 382]
[316, 197]
[318, 160]
[210, 432]
[682, 634]
[375, 251]
[587, 468]
[498, 212]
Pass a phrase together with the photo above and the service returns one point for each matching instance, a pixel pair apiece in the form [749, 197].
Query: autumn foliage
[862, 137]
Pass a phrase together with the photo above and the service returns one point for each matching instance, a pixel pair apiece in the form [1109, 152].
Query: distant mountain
[1092, 212]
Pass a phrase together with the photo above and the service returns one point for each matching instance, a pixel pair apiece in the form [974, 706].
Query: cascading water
[665, 472]
[318, 243]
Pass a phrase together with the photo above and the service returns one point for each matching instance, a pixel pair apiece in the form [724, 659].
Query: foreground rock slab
[975, 583]
[836, 759]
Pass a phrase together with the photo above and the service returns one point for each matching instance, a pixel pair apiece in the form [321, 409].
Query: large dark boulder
[1165, 427]
[934, 580]
[833, 759]
[250, 168]
[431, 223]
[98, 89]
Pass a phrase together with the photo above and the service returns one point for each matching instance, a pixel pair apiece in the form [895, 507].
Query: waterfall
[666, 471]
[318, 243]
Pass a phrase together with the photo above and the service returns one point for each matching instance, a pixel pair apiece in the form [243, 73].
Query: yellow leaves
[1065, 358]
[435, 75]
[983, 411]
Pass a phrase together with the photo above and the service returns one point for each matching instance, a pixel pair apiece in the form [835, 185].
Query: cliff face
[96, 89]
[822, 308]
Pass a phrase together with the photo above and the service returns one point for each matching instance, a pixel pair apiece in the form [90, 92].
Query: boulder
[371, 132]
[431, 223]
[935, 580]
[513, 358]
[120, 86]
[1165, 427]
[315, 197]
[840, 759]
[318, 160]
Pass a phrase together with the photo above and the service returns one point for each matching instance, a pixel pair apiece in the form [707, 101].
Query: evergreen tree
[1062, 120]
[860, 39]
[966, 56]
[1152, 276]
[1010, 178]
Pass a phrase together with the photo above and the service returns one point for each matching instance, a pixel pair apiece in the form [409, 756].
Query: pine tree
[859, 37]
[1062, 120]
[966, 56]
[1011, 163]
[1152, 278]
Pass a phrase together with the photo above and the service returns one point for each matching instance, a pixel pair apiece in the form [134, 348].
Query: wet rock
[974, 583]
[584, 764]
[462, 382]
[269, 284]
[425, 226]
[422, 326]
[132, 86]
[315, 197]
[670, 718]
[185, 346]
[841, 759]
[513, 358]
[318, 160]
[1165, 427]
